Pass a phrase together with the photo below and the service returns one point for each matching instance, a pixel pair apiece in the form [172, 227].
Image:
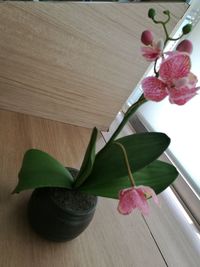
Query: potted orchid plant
[64, 199]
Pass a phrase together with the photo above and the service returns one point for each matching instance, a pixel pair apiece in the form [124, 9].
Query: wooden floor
[112, 240]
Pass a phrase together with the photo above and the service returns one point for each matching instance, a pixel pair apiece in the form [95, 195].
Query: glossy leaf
[158, 175]
[109, 166]
[39, 169]
[88, 160]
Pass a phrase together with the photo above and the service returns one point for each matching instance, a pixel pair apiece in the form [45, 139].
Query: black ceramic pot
[59, 214]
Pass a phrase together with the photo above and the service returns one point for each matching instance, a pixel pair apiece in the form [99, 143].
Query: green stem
[127, 163]
[168, 19]
[164, 27]
[176, 39]
[127, 116]
[168, 38]
[166, 33]
[163, 23]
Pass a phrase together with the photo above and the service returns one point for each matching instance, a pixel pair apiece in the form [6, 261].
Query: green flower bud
[187, 28]
[151, 13]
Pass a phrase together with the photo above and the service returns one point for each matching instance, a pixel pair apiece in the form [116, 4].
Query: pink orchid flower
[175, 80]
[151, 53]
[135, 197]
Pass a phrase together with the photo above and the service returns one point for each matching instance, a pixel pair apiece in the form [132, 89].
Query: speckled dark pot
[54, 217]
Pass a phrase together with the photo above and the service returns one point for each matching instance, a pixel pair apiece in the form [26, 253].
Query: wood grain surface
[174, 232]
[73, 62]
[112, 240]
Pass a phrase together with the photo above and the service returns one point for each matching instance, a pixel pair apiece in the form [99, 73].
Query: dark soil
[72, 199]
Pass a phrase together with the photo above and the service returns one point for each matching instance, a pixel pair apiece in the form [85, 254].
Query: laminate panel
[73, 62]
[174, 232]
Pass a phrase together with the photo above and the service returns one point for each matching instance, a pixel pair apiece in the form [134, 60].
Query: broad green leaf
[141, 149]
[39, 169]
[158, 175]
[88, 160]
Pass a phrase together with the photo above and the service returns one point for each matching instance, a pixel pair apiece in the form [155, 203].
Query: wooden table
[110, 240]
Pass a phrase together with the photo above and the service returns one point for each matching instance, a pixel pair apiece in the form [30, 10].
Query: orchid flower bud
[151, 13]
[147, 37]
[187, 28]
[185, 46]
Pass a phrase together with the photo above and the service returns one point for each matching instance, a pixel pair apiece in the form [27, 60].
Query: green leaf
[88, 160]
[39, 169]
[158, 175]
[110, 167]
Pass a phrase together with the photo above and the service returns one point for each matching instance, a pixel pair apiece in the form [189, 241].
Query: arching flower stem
[127, 163]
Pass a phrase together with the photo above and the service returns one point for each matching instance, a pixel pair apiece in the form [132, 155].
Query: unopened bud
[187, 28]
[185, 46]
[147, 37]
[151, 13]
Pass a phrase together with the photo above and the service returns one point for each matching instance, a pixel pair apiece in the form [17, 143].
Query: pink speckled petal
[127, 199]
[182, 95]
[175, 67]
[150, 53]
[154, 89]
[135, 197]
